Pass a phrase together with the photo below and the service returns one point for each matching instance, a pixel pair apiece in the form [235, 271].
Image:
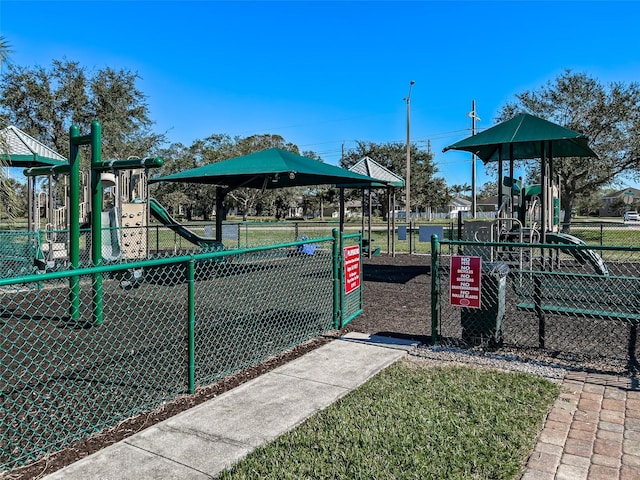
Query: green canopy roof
[524, 135]
[270, 169]
[17, 149]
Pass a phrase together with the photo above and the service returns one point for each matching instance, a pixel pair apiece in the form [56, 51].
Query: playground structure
[559, 285]
[527, 214]
[123, 214]
[60, 224]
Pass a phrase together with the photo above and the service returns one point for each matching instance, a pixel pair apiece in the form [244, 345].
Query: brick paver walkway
[592, 432]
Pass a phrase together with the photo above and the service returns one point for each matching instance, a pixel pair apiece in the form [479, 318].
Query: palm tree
[457, 190]
[5, 50]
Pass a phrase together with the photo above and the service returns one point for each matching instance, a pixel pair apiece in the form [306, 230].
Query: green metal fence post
[435, 289]
[191, 316]
[337, 297]
[96, 219]
[361, 289]
[74, 220]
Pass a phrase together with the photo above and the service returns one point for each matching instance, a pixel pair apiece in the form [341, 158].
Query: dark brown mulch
[396, 299]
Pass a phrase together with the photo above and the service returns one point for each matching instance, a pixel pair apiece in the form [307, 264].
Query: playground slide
[160, 213]
[582, 256]
[110, 236]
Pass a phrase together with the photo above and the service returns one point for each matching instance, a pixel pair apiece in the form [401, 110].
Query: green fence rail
[577, 305]
[164, 328]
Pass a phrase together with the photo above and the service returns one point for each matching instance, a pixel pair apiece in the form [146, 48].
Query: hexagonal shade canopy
[524, 137]
[270, 169]
[17, 149]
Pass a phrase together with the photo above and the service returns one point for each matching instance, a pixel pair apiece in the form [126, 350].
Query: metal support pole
[543, 194]
[191, 319]
[74, 221]
[30, 202]
[369, 227]
[219, 213]
[337, 236]
[96, 219]
[537, 301]
[393, 225]
[388, 220]
[435, 289]
[362, 202]
[341, 209]
[408, 175]
[473, 161]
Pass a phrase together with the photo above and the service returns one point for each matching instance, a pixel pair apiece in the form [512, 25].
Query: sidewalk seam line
[169, 459]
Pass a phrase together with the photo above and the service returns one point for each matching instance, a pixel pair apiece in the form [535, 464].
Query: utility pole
[408, 177]
[474, 117]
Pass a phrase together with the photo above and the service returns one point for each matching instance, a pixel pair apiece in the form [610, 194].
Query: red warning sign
[464, 281]
[351, 268]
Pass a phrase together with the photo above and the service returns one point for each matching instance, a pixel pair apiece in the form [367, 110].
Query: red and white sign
[351, 268]
[464, 281]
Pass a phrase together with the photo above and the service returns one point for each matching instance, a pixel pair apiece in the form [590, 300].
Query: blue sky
[324, 74]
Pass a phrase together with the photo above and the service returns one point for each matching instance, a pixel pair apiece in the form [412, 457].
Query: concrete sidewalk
[201, 442]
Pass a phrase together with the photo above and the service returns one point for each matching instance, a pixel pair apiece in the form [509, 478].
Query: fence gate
[349, 292]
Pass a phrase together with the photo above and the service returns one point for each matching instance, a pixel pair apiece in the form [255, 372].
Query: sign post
[465, 281]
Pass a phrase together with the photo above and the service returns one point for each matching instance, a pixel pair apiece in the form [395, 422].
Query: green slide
[160, 213]
[583, 255]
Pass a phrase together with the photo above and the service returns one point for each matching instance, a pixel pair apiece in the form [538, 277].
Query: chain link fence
[84, 350]
[571, 304]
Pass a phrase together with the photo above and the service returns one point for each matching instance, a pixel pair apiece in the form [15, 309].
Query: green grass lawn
[414, 421]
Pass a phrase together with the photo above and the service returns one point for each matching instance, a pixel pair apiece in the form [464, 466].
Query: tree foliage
[488, 189]
[45, 102]
[216, 148]
[609, 115]
[5, 51]
[457, 190]
[427, 191]
[8, 199]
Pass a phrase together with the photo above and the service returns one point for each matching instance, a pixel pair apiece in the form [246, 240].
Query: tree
[13, 198]
[197, 199]
[393, 156]
[8, 199]
[488, 189]
[609, 115]
[5, 50]
[45, 102]
[458, 190]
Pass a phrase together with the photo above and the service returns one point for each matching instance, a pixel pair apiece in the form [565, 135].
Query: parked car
[631, 216]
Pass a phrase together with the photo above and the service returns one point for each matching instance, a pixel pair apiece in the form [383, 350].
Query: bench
[604, 297]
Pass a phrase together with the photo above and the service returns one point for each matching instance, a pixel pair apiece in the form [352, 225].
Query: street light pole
[474, 117]
[408, 176]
